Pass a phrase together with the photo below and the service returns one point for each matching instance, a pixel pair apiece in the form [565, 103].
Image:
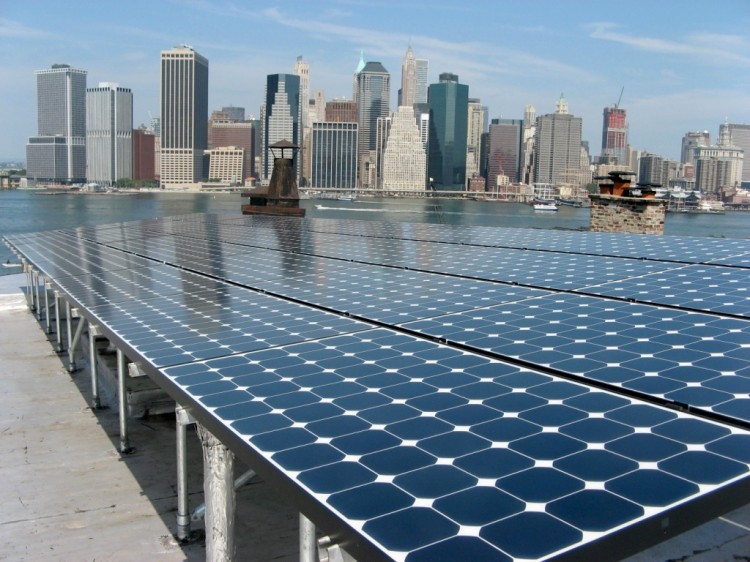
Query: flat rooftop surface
[476, 387]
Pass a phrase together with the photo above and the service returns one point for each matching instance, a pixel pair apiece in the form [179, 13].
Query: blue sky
[685, 65]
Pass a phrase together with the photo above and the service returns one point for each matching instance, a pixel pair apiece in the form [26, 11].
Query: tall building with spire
[355, 78]
[557, 146]
[373, 102]
[109, 133]
[404, 159]
[302, 69]
[58, 152]
[184, 116]
[407, 95]
[615, 136]
[281, 118]
[449, 113]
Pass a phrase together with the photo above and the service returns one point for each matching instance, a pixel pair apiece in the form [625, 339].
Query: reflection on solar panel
[439, 393]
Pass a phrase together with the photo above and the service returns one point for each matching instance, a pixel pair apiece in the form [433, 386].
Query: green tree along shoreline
[130, 183]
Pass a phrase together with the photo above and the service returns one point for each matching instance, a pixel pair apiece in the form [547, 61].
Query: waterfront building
[281, 119]
[739, 136]
[333, 155]
[505, 152]
[656, 169]
[341, 110]
[475, 128]
[144, 152]
[184, 116]
[719, 166]
[691, 141]
[109, 133]
[615, 135]
[404, 159]
[227, 165]
[373, 102]
[449, 112]
[557, 145]
[225, 131]
[58, 152]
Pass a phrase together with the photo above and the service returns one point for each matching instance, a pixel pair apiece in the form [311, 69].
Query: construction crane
[620, 98]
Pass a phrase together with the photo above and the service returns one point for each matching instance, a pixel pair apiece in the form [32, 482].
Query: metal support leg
[74, 343]
[47, 318]
[29, 286]
[38, 305]
[218, 465]
[308, 546]
[94, 368]
[125, 447]
[199, 513]
[58, 321]
[183, 419]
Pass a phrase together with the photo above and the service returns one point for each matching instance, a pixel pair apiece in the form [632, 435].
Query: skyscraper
[184, 116]
[373, 102]
[422, 85]
[475, 128]
[720, 165]
[690, 141]
[109, 133]
[505, 152]
[449, 114]
[281, 118]
[557, 146]
[407, 95]
[404, 159]
[58, 152]
[615, 135]
[333, 155]
[739, 136]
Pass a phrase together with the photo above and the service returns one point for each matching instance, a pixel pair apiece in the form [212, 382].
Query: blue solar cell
[478, 506]
[702, 467]
[435, 481]
[397, 460]
[458, 548]
[594, 510]
[652, 487]
[454, 444]
[540, 485]
[370, 501]
[645, 447]
[519, 535]
[337, 477]
[396, 530]
[308, 456]
[595, 465]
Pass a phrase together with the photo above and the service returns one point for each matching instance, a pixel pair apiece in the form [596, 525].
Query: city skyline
[682, 70]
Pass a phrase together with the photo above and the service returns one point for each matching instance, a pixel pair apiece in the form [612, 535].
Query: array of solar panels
[439, 392]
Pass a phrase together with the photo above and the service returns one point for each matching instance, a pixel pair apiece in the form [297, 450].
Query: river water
[31, 211]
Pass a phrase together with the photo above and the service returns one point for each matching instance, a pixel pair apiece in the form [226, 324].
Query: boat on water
[544, 205]
[570, 203]
[8, 264]
[346, 198]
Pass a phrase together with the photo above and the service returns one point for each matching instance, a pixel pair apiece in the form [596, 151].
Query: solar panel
[431, 392]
